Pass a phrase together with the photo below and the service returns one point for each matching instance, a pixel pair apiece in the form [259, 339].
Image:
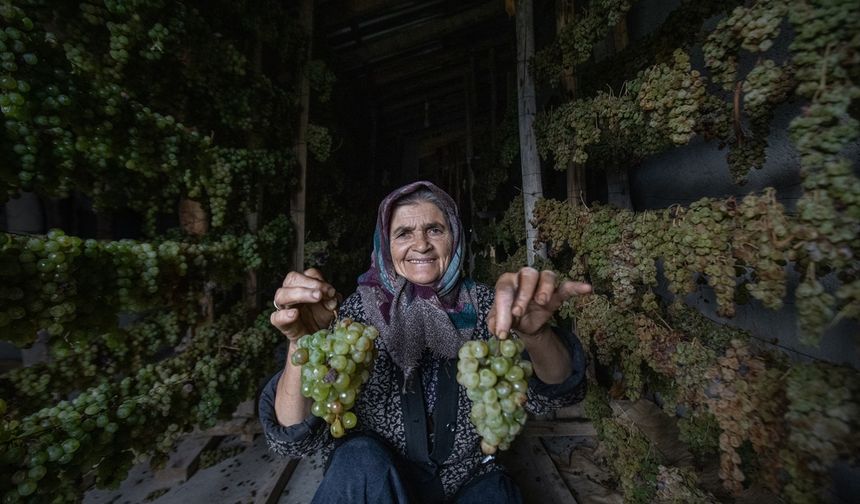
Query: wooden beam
[298, 197]
[527, 105]
[409, 37]
[575, 172]
[452, 52]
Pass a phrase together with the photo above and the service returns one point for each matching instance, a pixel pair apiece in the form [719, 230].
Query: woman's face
[420, 242]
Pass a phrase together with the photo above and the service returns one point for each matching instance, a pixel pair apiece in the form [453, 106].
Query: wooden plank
[545, 428]
[571, 412]
[305, 480]
[534, 471]
[254, 475]
[235, 427]
[185, 459]
[272, 489]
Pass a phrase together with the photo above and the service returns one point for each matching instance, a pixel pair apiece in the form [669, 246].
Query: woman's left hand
[527, 299]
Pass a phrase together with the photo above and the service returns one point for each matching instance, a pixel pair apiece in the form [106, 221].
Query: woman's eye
[436, 231]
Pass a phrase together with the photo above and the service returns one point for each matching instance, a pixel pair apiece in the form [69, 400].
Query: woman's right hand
[307, 304]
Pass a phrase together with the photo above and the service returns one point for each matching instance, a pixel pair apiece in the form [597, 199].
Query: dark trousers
[364, 469]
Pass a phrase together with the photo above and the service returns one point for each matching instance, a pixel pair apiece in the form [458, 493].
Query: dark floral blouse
[444, 442]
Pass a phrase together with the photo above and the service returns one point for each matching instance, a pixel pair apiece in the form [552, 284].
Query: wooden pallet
[257, 476]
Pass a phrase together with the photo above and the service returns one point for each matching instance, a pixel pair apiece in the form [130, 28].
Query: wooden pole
[493, 97]
[617, 175]
[575, 171]
[297, 199]
[469, 85]
[527, 105]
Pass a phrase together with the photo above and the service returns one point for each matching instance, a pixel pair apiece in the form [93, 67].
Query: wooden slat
[545, 428]
[185, 459]
[235, 427]
[534, 471]
[270, 493]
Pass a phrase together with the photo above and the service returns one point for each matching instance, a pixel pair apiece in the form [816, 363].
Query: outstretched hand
[527, 299]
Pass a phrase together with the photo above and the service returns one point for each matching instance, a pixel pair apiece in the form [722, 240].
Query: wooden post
[469, 85]
[617, 178]
[532, 185]
[575, 171]
[493, 97]
[297, 199]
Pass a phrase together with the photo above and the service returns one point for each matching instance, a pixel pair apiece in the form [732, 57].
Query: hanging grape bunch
[496, 382]
[335, 364]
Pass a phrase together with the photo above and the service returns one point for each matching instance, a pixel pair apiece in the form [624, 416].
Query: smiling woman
[414, 441]
[420, 242]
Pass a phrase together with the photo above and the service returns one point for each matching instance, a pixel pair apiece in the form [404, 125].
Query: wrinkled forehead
[417, 210]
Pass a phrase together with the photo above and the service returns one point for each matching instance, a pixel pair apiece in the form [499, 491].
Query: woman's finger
[527, 280]
[296, 279]
[546, 287]
[499, 320]
[326, 288]
[290, 296]
[285, 321]
[565, 291]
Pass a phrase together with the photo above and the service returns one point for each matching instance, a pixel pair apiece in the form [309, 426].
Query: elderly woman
[414, 441]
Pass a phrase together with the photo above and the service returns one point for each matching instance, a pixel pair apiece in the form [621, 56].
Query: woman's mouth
[420, 261]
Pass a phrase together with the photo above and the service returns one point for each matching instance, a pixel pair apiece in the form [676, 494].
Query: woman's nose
[422, 244]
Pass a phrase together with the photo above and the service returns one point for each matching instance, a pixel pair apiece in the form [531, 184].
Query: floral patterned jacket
[443, 444]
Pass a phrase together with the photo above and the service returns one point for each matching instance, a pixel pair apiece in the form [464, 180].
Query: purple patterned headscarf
[412, 318]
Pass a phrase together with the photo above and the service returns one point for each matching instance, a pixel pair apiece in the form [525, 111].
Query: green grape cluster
[575, 41]
[762, 242]
[747, 398]
[606, 225]
[48, 300]
[623, 278]
[848, 295]
[611, 331]
[558, 224]
[672, 94]
[632, 458]
[646, 241]
[657, 345]
[822, 417]
[496, 381]
[692, 360]
[567, 131]
[824, 54]
[700, 431]
[319, 142]
[335, 364]
[707, 230]
[753, 28]
[677, 485]
[766, 85]
[154, 48]
[99, 431]
[581, 129]
[322, 79]
[58, 283]
[814, 308]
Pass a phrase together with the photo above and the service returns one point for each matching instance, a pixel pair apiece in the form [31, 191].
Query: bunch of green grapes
[496, 382]
[335, 364]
